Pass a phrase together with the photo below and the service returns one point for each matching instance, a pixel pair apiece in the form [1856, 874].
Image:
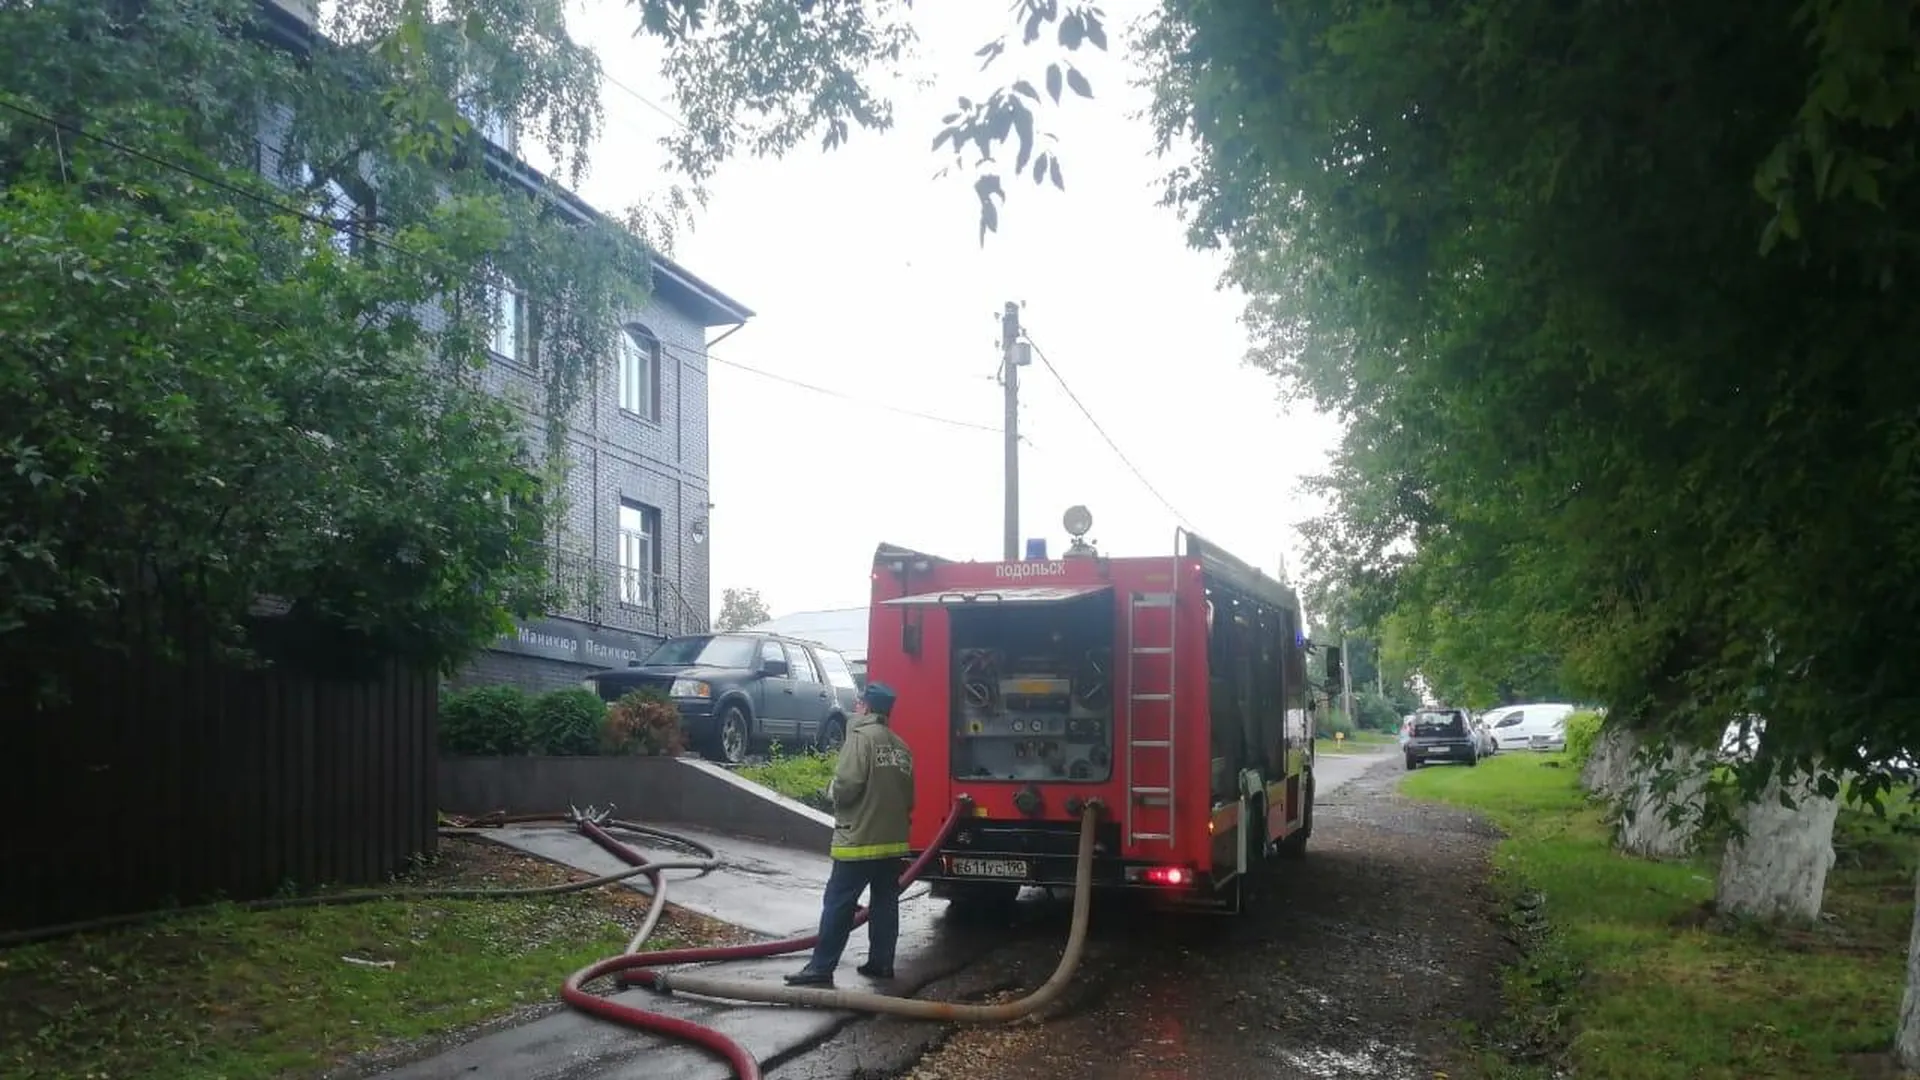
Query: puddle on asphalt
[1375, 1061]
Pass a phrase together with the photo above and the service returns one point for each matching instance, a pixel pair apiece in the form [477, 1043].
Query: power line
[647, 101]
[367, 233]
[1124, 460]
[868, 403]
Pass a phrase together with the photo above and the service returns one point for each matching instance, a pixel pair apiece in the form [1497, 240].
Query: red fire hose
[627, 965]
[635, 968]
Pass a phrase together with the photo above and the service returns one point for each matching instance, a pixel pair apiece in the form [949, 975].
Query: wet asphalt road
[1360, 963]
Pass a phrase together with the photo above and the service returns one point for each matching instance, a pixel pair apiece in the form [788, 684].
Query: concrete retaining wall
[657, 791]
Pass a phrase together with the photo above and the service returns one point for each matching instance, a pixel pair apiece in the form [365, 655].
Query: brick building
[631, 553]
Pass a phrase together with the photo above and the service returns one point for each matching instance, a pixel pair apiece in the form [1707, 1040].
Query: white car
[1541, 726]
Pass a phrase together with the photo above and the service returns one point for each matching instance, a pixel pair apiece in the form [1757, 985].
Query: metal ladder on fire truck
[1151, 736]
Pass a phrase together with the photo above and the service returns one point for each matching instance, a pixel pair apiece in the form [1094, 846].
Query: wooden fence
[175, 783]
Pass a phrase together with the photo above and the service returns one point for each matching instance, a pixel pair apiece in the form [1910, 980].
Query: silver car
[1489, 745]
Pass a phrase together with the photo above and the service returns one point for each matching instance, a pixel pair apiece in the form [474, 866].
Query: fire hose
[705, 864]
[636, 968]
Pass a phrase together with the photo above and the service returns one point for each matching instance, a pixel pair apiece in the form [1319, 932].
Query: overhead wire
[967, 425]
[645, 100]
[370, 234]
[865, 402]
[1111, 445]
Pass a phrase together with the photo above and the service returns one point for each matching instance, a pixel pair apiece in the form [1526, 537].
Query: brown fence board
[160, 783]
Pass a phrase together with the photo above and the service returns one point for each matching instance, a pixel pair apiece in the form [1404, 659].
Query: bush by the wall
[642, 723]
[1330, 722]
[1583, 731]
[568, 722]
[486, 720]
[1376, 712]
[803, 777]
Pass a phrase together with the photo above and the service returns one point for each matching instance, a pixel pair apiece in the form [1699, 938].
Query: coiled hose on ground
[637, 968]
[633, 967]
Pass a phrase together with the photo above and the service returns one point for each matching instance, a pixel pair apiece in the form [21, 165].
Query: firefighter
[872, 797]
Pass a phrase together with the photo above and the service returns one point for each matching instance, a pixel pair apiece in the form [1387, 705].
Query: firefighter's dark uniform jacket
[872, 792]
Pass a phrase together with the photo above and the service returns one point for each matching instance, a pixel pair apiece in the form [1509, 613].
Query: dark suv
[1442, 735]
[737, 691]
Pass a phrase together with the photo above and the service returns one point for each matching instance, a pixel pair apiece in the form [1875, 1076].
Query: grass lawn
[803, 777]
[1360, 742]
[231, 994]
[1634, 981]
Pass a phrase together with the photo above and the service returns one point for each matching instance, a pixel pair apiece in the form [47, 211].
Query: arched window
[639, 359]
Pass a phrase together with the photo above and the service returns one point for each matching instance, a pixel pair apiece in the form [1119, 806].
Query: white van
[1516, 726]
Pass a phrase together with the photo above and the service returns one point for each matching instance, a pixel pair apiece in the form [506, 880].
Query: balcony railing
[603, 593]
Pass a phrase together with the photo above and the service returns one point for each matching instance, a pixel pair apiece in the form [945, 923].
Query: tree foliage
[292, 253]
[763, 77]
[221, 382]
[1373, 670]
[1610, 300]
[741, 608]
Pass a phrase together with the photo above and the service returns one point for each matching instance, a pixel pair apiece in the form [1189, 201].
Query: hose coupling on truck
[1029, 801]
[1077, 805]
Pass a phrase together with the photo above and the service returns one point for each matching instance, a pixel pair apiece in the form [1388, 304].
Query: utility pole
[1346, 679]
[1010, 380]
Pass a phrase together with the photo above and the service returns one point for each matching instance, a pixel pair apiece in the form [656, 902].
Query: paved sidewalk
[769, 890]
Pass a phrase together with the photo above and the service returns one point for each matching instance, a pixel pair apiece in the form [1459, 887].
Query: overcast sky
[869, 281]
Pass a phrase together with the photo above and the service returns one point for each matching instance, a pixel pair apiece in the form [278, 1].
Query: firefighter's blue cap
[879, 697]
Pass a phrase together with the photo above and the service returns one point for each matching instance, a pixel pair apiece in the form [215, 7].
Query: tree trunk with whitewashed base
[1906, 1037]
[1644, 829]
[1778, 869]
[1609, 767]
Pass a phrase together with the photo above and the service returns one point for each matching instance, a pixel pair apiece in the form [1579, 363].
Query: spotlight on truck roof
[1078, 520]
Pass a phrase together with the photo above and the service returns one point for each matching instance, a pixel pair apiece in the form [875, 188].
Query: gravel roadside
[1362, 963]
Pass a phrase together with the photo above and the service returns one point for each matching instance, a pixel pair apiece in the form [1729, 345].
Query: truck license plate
[994, 868]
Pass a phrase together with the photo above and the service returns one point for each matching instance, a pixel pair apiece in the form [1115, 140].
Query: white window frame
[638, 550]
[500, 129]
[494, 125]
[638, 352]
[343, 210]
[508, 311]
[331, 203]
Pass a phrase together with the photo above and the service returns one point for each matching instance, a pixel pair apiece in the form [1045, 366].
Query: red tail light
[1167, 875]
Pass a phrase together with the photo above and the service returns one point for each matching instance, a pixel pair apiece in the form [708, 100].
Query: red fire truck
[1173, 688]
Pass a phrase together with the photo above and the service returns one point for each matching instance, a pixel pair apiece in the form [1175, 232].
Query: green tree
[1610, 297]
[216, 388]
[741, 608]
[1453, 253]
[764, 77]
[1371, 668]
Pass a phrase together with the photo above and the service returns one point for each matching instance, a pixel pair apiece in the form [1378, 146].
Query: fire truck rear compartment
[1032, 692]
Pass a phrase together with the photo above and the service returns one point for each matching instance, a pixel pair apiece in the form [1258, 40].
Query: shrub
[1583, 731]
[643, 723]
[568, 722]
[1377, 712]
[803, 777]
[1333, 722]
[486, 720]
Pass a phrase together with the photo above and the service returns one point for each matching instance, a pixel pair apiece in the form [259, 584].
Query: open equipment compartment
[1032, 692]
